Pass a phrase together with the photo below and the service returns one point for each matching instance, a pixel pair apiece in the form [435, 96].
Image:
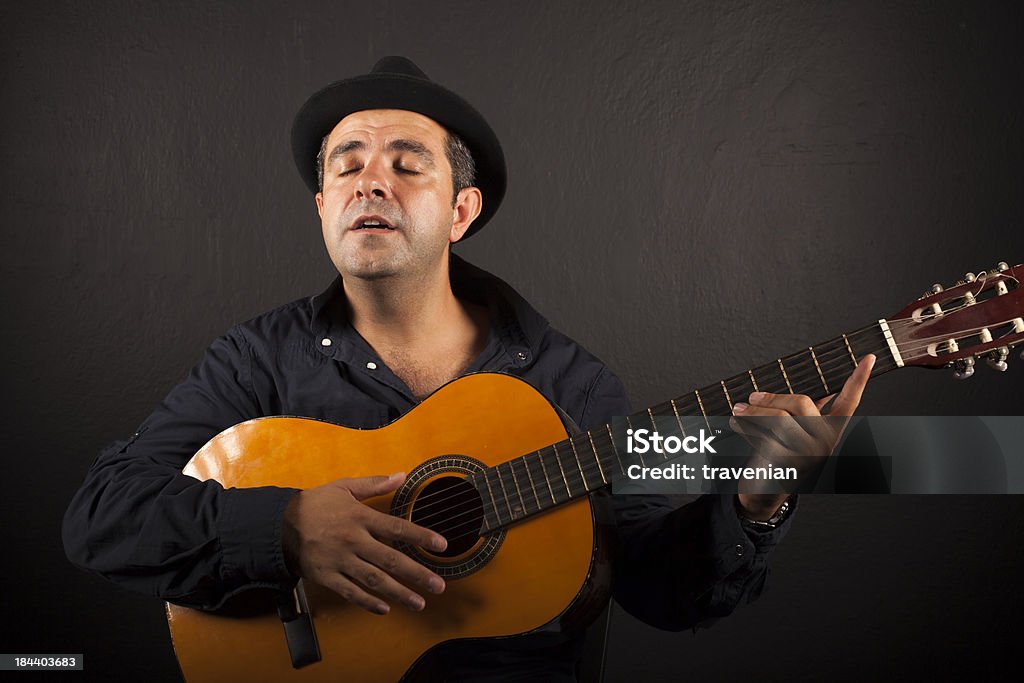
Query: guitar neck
[574, 467]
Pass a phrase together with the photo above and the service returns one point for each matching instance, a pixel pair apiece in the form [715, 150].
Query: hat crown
[398, 65]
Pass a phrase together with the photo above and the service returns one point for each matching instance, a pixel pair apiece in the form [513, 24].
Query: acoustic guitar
[492, 467]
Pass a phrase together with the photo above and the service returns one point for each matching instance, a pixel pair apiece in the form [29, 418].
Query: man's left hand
[796, 435]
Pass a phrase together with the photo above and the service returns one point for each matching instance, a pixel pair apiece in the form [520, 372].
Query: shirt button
[325, 342]
[521, 355]
[371, 365]
[739, 549]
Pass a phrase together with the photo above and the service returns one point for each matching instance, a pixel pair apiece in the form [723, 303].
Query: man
[401, 169]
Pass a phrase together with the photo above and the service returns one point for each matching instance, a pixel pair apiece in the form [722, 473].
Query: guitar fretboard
[556, 474]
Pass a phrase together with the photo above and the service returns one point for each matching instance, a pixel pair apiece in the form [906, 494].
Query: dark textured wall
[695, 188]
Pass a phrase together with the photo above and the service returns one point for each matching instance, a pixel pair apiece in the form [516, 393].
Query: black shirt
[139, 521]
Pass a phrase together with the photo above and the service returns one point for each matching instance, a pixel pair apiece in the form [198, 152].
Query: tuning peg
[997, 359]
[964, 368]
[970, 277]
[936, 288]
[1002, 266]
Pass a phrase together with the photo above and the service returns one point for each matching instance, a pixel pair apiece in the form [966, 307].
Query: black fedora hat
[397, 83]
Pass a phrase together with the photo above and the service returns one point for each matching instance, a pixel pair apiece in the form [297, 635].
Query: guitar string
[769, 382]
[473, 525]
[795, 377]
[906, 348]
[798, 373]
[852, 336]
[812, 373]
[475, 521]
[590, 469]
[835, 355]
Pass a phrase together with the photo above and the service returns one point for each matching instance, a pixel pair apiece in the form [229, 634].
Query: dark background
[695, 188]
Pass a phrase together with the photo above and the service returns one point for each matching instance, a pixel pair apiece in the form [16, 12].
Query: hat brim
[324, 109]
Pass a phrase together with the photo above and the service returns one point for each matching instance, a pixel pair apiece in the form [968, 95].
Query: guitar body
[535, 575]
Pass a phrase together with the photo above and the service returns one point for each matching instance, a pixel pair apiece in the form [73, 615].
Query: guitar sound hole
[452, 507]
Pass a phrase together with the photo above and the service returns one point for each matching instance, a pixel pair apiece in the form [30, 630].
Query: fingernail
[415, 603]
[739, 407]
[382, 608]
[757, 396]
[439, 543]
[435, 585]
[397, 475]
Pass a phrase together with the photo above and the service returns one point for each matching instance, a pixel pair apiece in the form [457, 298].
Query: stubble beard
[373, 259]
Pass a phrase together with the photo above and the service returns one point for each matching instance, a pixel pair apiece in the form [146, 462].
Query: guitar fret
[611, 439]
[753, 381]
[547, 479]
[785, 376]
[597, 458]
[654, 424]
[818, 367]
[565, 481]
[533, 487]
[579, 465]
[701, 404]
[494, 502]
[853, 358]
[640, 455]
[676, 413]
[727, 398]
[835, 372]
[504, 493]
[515, 480]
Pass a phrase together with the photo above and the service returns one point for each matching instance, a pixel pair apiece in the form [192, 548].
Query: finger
[400, 566]
[794, 404]
[350, 592]
[774, 424]
[390, 528]
[378, 581]
[747, 410]
[750, 431]
[805, 411]
[849, 398]
[822, 402]
[362, 488]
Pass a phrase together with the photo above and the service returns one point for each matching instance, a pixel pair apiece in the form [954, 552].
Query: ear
[320, 204]
[467, 207]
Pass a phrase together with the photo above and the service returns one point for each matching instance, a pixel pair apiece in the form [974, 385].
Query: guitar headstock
[982, 315]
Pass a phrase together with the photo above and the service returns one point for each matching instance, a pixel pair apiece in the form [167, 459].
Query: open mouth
[374, 224]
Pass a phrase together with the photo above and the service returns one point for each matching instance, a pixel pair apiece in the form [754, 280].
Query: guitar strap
[299, 631]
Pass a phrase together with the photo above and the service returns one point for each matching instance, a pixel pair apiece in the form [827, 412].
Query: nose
[371, 183]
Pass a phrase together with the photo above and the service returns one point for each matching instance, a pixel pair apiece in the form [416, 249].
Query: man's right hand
[333, 539]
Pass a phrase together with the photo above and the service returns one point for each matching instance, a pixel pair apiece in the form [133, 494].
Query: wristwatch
[778, 518]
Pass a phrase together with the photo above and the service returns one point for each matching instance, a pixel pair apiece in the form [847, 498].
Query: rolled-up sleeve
[139, 521]
[678, 567]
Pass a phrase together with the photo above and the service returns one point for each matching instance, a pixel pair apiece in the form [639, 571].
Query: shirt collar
[518, 325]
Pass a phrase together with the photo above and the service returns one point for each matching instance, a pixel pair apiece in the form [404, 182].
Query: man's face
[389, 166]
